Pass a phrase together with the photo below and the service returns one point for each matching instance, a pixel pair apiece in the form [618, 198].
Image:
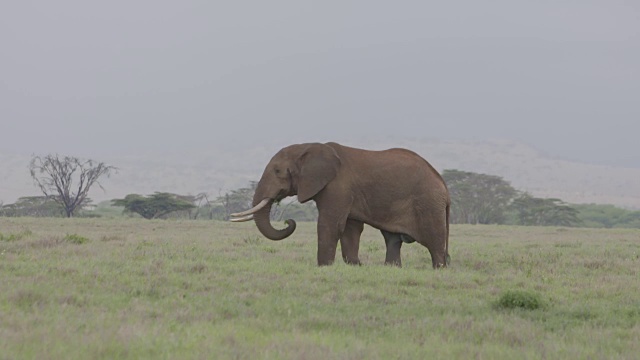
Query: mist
[120, 78]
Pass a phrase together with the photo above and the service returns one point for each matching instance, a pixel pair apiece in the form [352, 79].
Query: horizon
[225, 169]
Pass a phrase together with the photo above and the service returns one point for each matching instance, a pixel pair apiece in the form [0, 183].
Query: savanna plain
[133, 288]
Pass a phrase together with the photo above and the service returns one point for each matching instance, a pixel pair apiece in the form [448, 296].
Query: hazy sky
[106, 78]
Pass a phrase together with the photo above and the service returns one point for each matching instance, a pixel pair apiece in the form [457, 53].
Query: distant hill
[216, 171]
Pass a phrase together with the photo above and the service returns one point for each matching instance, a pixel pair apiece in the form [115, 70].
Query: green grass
[133, 288]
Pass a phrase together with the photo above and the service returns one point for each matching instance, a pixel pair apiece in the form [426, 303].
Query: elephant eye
[277, 171]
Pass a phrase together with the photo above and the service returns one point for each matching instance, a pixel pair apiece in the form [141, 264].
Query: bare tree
[200, 198]
[237, 199]
[67, 179]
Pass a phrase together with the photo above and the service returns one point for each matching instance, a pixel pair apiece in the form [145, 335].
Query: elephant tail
[447, 258]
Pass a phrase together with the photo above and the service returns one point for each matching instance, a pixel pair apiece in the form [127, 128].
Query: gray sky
[107, 78]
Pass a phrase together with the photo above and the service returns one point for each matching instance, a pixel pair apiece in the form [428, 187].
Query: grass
[133, 288]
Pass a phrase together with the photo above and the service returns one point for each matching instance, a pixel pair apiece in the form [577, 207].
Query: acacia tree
[67, 179]
[544, 212]
[478, 198]
[36, 206]
[153, 206]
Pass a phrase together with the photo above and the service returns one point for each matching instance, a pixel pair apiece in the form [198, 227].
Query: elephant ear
[318, 165]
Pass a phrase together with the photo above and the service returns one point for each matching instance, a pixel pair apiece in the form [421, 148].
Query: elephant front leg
[328, 235]
[394, 243]
[350, 241]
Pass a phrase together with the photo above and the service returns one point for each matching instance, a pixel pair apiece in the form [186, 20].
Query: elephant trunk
[261, 217]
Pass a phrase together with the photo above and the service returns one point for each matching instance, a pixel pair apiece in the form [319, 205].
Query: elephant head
[303, 170]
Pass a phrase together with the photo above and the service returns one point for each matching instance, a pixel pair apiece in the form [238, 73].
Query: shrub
[75, 239]
[516, 299]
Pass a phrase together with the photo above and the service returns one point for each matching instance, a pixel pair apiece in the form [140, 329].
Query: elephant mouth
[281, 195]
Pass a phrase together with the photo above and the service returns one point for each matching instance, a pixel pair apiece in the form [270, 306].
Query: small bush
[15, 237]
[75, 239]
[519, 300]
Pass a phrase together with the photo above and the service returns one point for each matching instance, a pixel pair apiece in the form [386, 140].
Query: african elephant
[395, 191]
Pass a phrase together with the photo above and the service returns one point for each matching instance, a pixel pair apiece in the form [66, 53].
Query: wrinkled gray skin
[395, 191]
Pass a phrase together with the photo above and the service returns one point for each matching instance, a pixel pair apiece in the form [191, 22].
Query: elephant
[395, 191]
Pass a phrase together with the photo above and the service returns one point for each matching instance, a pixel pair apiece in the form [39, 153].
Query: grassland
[114, 288]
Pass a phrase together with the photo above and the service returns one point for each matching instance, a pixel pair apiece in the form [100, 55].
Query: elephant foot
[396, 262]
[440, 261]
[352, 261]
[325, 263]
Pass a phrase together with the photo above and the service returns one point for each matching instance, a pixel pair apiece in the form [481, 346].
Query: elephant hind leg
[394, 243]
[435, 240]
[350, 241]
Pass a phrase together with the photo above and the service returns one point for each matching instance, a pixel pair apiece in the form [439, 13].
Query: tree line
[167, 205]
[489, 199]
[475, 199]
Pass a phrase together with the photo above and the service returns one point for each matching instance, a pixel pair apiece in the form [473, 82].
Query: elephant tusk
[242, 219]
[253, 210]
